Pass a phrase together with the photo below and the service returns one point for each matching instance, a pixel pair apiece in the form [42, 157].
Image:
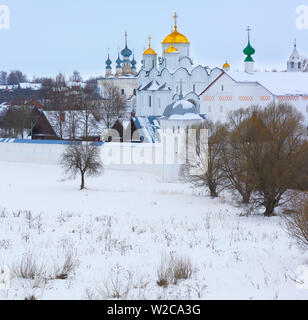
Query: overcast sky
[51, 36]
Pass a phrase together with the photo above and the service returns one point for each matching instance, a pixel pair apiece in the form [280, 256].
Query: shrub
[28, 268]
[173, 269]
[297, 220]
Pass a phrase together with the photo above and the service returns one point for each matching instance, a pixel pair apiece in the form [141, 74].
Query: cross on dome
[149, 50]
[175, 37]
[175, 20]
[248, 30]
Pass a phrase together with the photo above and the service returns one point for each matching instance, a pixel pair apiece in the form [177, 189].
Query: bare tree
[83, 159]
[207, 159]
[113, 104]
[73, 124]
[88, 104]
[58, 119]
[272, 142]
[16, 77]
[305, 64]
[234, 162]
[76, 77]
[3, 77]
[16, 121]
[56, 92]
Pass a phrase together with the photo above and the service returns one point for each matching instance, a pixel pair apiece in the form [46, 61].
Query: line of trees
[259, 154]
[13, 78]
[17, 122]
[85, 110]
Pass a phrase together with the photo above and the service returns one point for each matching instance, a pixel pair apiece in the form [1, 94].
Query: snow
[26, 85]
[278, 83]
[95, 128]
[122, 225]
[186, 116]
[185, 104]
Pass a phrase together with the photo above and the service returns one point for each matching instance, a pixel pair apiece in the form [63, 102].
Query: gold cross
[175, 18]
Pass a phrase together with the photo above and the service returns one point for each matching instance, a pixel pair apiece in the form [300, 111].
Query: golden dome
[226, 66]
[175, 36]
[171, 49]
[149, 50]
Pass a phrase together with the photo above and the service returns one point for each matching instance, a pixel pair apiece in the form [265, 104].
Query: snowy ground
[119, 230]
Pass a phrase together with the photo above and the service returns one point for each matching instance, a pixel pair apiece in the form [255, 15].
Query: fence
[128, 156]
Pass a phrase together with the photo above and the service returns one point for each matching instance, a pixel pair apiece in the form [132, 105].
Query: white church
[160, 79]
[212, 93]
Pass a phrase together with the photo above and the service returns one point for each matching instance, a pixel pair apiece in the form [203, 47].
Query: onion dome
[226, 65]
[126, 53]
[108, 63]
[118, 62]
[149, 50]
[175, 36]
[249, 50]
[133, 63]
[171, 49]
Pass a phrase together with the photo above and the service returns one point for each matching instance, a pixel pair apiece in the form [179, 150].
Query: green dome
[249, 51]
[249, 59]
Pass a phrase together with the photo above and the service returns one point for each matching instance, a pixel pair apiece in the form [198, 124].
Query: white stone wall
[128, 84]
[183, 48]
[192, 84]
[227, 95]
[139, 157]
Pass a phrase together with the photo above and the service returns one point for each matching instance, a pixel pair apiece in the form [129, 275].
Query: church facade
[234, 90]
[214, 92]
[123, 75]
[162, 80]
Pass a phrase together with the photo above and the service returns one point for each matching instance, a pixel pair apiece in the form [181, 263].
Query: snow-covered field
[118, 232]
